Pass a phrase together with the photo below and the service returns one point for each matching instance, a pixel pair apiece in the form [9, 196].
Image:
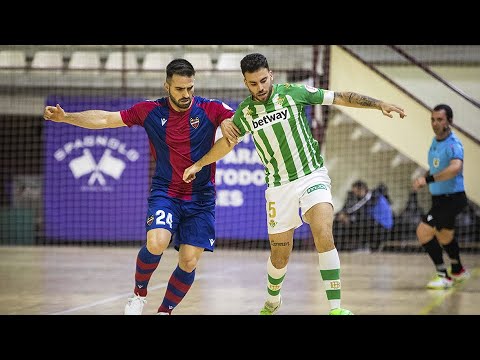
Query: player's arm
[221, 148]
[90, 119]
[351, 99]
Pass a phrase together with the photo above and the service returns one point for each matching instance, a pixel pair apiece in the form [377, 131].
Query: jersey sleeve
[219, 111]
[309, 95]
[237, 120]
[137, 114]
[455, 151]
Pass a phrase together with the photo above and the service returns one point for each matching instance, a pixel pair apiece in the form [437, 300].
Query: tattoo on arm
[358, 99]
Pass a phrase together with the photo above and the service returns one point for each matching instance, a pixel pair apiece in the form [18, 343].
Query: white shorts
[286, 202]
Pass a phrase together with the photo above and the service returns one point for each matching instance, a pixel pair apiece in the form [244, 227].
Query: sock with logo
[453, 252]
[178, 285]
[275, 279]
[434, 250]
[146, 265]
[329, 262]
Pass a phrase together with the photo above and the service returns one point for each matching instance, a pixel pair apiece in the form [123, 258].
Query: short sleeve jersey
[439, 156]
[179, 139]
[281, 132]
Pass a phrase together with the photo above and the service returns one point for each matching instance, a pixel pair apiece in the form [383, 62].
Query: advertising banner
[96, 181]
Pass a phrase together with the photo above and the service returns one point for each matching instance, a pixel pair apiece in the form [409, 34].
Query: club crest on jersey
[195, 122]
[436, 162]
[280, 100]
[150, 220]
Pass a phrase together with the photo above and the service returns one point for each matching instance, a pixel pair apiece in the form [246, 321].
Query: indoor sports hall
[73, 201]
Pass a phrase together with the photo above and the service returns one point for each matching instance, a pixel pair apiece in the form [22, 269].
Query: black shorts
[445, 209]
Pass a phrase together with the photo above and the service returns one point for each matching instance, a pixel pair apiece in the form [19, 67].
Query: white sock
[275, 279]
[330, 273]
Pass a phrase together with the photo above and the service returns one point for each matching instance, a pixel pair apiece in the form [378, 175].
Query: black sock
[453, 252]
[434, 250]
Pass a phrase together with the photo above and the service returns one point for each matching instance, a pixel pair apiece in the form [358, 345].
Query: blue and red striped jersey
[177, 140]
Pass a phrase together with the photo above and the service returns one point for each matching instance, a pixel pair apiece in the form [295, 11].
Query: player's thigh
[197, 227]
[316, 189]
[282, 204]
[163, 213]
[320, 218]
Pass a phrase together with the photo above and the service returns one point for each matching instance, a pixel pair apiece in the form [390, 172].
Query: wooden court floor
[48, 280]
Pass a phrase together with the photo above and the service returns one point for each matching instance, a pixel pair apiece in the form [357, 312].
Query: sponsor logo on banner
[93, 175]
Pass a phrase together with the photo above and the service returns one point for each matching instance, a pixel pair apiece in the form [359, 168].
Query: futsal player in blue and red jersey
[181, 129]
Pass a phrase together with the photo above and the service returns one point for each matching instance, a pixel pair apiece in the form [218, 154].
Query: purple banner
[96, 181]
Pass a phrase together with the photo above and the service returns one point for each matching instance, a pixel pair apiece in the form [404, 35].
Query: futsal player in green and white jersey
[294, 170]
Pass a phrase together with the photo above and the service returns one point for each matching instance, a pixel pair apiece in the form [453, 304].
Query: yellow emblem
[335, 285]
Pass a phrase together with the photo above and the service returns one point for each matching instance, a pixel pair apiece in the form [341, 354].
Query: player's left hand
[190, 173]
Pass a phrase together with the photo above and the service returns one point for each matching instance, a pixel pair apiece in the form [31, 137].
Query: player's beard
[181, 105]
[267, 97]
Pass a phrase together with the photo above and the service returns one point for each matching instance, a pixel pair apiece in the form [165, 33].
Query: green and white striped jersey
[281, 132]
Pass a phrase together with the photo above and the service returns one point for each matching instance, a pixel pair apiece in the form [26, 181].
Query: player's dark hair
[179, 67]
[253, 62]
[448, 111]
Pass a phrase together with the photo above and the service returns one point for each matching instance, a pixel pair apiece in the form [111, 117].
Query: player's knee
[188, 264]
[279, 261]
[425, 233]
[156, 245]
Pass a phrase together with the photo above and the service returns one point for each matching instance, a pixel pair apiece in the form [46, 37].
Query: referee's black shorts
[445, 209]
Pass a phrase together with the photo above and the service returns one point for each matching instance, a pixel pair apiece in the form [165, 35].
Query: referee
[446, 185]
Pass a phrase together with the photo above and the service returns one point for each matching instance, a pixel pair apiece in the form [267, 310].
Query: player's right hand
[54, 113]
[230, 131]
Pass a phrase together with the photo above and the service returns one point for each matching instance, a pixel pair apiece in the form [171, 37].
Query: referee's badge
[436, 162]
